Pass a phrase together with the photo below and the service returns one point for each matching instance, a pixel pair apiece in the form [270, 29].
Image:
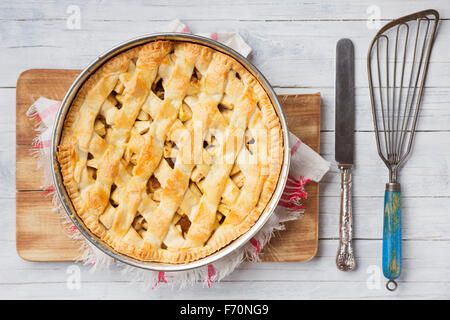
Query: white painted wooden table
[294, 46]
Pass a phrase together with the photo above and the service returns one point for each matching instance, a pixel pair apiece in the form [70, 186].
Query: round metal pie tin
[59, 122]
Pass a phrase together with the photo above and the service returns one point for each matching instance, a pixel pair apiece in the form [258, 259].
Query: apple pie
[170, 151]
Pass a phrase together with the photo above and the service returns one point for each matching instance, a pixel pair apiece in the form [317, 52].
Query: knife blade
[345, 102]
[344, 145]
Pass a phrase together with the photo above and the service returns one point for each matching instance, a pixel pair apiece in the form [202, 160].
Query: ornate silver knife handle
[345, 259]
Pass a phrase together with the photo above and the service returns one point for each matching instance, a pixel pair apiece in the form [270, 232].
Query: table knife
[344, 144]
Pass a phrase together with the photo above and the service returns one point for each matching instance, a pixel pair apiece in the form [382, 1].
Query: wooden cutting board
[39, 233]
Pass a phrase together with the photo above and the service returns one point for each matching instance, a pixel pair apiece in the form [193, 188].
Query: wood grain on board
[39, 233]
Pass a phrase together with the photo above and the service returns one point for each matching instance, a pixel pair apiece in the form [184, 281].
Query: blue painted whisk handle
[392, 232]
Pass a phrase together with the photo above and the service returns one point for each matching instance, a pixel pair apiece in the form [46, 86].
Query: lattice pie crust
[170, 151]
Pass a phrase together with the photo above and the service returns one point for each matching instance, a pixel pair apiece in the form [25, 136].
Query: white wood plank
[229, 290]
[422, 261]
[425, 266]
[283, 51]
[8, 221]
[216, 9]
[434, 112]
[424, 218]
[426, 172]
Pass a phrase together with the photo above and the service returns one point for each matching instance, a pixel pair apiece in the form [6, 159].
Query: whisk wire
[413, 95]
[380, 88]
[396, 139]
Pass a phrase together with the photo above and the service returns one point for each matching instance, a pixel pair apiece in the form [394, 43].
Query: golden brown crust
[106, 159]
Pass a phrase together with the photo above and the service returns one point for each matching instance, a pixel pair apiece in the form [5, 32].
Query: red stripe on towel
[211, 274]
[42, 144]
[214, 36]
[160, 278]
[255, 244]
[51, 109]
[72, 228]
[296, 146]
[49, 189]
[293, 192]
